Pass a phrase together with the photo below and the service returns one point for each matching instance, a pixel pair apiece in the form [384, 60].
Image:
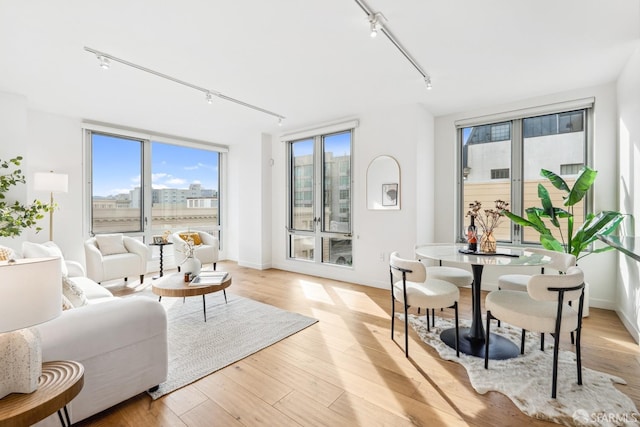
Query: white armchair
[206, 247]
[114, 256]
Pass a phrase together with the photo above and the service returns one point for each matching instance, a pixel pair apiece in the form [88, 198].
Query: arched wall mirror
[383, 184]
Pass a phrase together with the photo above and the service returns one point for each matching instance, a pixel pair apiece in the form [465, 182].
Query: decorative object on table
[30, 294]
[576, 243]
[526, 381]
[158, 240]
[233, 331]
[52, 183]
[488, 221]
[15, 217]
[472, 235]
[165, 235]
[190, 264]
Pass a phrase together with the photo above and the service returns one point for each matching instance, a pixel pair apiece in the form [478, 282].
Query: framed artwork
[390, 194]
[158, 240]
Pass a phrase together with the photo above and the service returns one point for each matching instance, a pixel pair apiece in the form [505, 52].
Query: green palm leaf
[581, 186]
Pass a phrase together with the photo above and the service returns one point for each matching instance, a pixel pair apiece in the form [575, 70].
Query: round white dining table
[472, 339]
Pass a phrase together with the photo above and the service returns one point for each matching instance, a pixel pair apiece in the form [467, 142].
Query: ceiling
[310, 61]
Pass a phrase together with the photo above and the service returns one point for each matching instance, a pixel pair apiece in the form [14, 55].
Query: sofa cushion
[73, 293]
[43, 250]
[92, 291]
[110, 244]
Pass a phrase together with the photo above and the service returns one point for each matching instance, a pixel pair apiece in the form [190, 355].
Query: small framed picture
[390, 194]
[158, 240]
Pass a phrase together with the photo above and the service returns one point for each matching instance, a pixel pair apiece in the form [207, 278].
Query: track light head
[374, 21]
[280, 121]
[427, 80]
[209, 98]
[104, 62]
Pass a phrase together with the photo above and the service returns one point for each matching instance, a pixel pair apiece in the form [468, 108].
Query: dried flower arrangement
[491, 218]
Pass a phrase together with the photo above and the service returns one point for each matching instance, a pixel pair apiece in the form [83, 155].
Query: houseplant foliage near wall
[15, 217]
[605, 222]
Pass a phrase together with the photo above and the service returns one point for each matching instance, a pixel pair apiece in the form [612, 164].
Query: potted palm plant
[575, 243]
[15, 217]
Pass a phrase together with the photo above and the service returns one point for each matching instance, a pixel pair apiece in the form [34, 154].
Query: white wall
[600, 269]
[403, 133]
[628, 283]
[47, 142]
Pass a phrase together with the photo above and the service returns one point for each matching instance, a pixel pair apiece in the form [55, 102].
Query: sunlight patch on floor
[359, 301]
[315, 292]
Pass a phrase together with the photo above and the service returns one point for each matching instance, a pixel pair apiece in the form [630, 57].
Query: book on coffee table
[209, 277]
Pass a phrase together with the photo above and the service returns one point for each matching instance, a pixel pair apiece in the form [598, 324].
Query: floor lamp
[53, 183]
[30, 293]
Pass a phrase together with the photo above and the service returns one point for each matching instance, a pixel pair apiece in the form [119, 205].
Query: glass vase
[488, 243]
[191, 265]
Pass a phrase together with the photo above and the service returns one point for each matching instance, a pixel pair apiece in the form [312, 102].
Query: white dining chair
[543, 308]
[412, 286]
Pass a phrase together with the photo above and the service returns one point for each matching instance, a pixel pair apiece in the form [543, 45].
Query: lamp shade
[52, 182]
[30, 292]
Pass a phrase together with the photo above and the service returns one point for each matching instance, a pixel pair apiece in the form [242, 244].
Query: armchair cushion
[43, 250]
[193, 236]
[6, 253]
[110, 244]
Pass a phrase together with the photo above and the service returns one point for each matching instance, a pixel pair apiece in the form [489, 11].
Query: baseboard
[254, 265]
[629, 325]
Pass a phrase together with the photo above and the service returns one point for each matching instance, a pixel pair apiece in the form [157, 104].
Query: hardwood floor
[346, 371]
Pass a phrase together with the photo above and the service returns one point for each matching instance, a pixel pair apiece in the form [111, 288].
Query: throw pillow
[193, 236]
[6, 253]
[110, 244]
[73, 293]
[43, 250]
[66, 304]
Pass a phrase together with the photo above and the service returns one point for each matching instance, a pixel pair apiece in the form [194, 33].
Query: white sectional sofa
[121, 342]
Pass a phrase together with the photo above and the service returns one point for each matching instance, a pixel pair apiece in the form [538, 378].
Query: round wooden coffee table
[173, 285]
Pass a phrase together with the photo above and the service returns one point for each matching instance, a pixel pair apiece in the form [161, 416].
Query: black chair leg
[486, 341]
[141, 278]
[542, 341]
[455, 307]
[578, 357]
[433, 317]
[572, 339]
[524, 333]
[406, 330]
[426, 316]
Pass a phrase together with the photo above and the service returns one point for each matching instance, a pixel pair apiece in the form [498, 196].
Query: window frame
[321, 229]
[146, 139]
[517, 159]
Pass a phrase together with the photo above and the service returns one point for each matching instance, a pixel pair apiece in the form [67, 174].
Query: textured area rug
[526, 380]
[232, 332]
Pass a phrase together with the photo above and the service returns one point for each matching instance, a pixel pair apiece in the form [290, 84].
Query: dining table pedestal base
[500, 348]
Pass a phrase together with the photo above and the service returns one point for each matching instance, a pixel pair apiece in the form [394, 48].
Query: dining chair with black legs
[543, 308]
[411, 286]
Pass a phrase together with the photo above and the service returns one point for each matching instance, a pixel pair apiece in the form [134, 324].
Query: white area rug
[526, 380]
[232, 332]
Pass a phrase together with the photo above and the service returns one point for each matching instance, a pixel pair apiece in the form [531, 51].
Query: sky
[116, 166]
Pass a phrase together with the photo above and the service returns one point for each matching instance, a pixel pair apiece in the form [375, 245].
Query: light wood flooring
[346, 371]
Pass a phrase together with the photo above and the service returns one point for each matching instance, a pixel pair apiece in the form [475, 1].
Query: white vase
[191, 265]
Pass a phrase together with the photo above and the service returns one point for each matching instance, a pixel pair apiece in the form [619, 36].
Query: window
[503, 160]
[571, 169]
[500, 173]
[320, 219]
[145, 187]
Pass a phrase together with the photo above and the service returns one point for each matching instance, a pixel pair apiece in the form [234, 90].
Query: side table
[161, 245]
[59, 383]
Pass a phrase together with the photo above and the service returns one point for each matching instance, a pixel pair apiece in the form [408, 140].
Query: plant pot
[191, 265]
[488, 243]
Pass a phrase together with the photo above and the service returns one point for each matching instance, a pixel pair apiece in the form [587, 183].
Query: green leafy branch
[577, 243]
